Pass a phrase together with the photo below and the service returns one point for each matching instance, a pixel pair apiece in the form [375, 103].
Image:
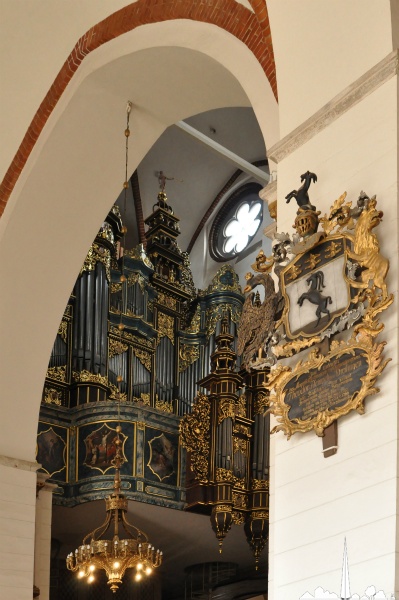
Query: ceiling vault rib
[261, 176]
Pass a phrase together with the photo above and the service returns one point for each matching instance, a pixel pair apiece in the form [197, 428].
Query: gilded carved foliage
[167, 301]
[240, 501]
[116, 347]
[215, 314]
[195, 324]
[225, 280]
[259, 484]
[360, 349]
[239, 445]
[130, 337]
[241, 406]
[52, 396]
[194, 431]
[57, 373]
[238, 517]
[87, 377]
[188, 354]
[226, 409]
[63, 330]
[163, 405]
[224, 474]
[144, 399]
[116, 394]
[139, 253]
[97, 254]
[261, 403]
[144, 357]
[166, 326]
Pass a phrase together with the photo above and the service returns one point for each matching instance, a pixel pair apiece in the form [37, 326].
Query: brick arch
[250, 28]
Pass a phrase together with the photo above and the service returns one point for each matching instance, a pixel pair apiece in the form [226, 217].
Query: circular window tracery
[236, 223]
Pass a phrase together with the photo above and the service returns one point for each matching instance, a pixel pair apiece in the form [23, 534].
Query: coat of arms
[331, 290]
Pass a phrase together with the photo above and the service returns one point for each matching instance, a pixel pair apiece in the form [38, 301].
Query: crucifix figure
[162, 179]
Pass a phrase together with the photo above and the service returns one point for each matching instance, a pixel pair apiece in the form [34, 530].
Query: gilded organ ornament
[166, 326]
[194, 435]
[188, 354]
[52, 396]
[97, 254]
[116, 347]
[57, 373]
[144, 357]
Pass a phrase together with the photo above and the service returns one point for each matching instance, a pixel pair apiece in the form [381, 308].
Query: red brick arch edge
[250, 28]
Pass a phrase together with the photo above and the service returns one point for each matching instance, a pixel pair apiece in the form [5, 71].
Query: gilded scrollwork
[167, 301]
[97, 254]
[166, 326]
[188, 354]
[239, 482]
[116, 347]
[259, 484]
[238, 428]
[63, 330]
[144, 357]
[116, 394]
[139, 253]
[145, 399]
[215, 314]
[238, 517]
[52, 396]
[87, 377]
[240, 445]
[226, 279]
[136, 278]
[224, 474]
[163, 405]
[126, 335]
[359, 351]
[241, 406]
[115, 288]
[260, 514]
[195, 324]
[186, 276]
[226, 409]
[240, 500]
[57, 373]
[261, 403]
[194, 432]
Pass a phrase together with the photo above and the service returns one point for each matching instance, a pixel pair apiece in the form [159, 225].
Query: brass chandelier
[118, 554]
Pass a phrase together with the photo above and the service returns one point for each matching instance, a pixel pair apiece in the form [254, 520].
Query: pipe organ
[136, 330]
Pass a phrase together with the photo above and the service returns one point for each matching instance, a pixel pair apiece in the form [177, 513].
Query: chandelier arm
[99, 531]
[129, 528]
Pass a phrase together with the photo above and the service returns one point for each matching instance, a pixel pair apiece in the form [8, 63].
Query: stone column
[17, 527]
[43, 536]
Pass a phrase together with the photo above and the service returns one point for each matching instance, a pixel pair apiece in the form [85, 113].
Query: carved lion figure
[366, 250]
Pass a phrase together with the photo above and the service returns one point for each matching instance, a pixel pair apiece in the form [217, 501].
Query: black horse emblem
[301, 195]
[316, 283]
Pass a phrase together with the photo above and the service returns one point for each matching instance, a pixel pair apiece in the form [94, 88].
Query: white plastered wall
[317, 502]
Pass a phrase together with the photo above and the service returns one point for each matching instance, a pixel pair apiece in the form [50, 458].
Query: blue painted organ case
[164, 349]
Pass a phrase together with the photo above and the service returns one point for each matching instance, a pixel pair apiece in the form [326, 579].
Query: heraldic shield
[316, 288]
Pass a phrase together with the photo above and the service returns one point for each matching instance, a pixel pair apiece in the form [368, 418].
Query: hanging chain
[122, 278]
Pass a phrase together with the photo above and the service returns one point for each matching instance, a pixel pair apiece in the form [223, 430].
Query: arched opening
[76, 169]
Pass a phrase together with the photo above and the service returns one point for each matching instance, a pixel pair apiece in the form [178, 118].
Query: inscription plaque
[329, 388]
